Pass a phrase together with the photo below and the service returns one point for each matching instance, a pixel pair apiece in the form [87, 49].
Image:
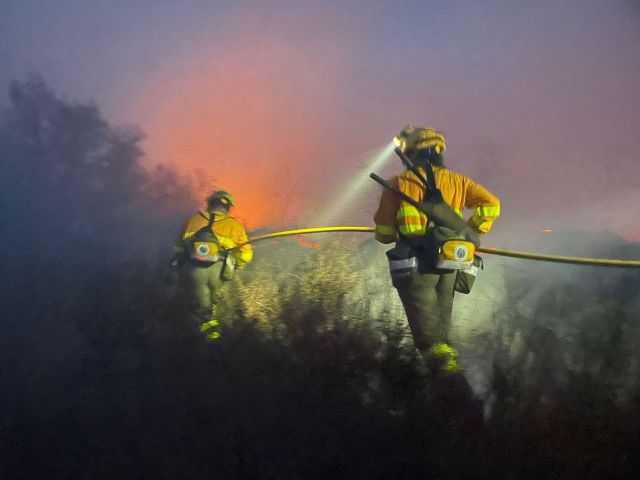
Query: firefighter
[207, 245]
[427, 292]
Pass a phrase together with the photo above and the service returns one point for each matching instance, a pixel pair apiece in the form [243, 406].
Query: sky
[284, 103]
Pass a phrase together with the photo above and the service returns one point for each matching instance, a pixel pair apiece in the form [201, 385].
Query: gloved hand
[471, 235]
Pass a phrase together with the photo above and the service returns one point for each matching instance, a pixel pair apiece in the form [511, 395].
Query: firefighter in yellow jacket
[207, 244]
[427, 293]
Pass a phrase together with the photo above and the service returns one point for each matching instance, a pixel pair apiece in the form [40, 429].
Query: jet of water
[356, 186]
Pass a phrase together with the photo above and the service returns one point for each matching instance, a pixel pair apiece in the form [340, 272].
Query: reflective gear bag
[466, 276]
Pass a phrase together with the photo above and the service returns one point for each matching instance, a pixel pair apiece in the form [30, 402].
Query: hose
[601, 262]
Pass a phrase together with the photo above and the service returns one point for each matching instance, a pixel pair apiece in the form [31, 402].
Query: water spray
[357, 184]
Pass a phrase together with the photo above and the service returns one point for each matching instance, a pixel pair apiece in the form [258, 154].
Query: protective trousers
[428, 299]
[206, 283]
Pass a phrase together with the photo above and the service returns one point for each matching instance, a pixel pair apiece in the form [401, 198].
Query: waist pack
[445, 249]
[467, 276]
[440, 249]
[205, 246]
[403, 262]
[206, 250]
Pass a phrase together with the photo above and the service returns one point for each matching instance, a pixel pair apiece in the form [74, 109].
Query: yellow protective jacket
[396, 216]
[229, 232]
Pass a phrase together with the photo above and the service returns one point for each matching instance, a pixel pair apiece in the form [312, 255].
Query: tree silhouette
[73, 186]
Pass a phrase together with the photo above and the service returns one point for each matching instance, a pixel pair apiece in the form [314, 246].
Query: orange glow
[546, 230]
[247, 115]
[302, 241]
[632, 235]
[232, 145]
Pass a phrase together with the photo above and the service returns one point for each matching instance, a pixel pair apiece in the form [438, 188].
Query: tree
[73, 185]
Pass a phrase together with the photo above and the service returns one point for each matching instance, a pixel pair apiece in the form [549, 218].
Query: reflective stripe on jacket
[395, 216]
[229, 232]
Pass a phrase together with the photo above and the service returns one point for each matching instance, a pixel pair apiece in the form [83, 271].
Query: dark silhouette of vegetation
[104, 374]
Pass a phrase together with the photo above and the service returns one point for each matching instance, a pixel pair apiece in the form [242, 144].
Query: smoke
[537, 108]
[576, 320]
[538, 100]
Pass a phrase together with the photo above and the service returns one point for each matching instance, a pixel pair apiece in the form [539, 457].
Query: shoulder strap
[209, 227]
[431, 177]
[431, 193]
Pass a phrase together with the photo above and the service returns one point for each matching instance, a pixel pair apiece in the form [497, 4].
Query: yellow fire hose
[493, 251]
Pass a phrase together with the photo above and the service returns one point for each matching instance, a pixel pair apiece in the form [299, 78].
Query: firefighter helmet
[225, 198]
[420, 138]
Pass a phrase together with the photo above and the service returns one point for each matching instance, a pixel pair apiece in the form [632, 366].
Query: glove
[472, 236]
